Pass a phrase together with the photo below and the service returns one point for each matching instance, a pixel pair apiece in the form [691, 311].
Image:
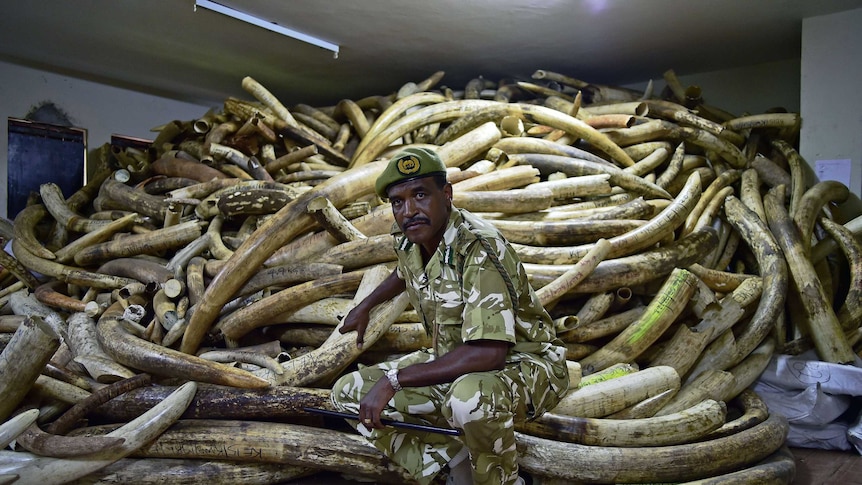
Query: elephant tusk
[158, 360]
[137, 433]
[21, 362]
[14, 426]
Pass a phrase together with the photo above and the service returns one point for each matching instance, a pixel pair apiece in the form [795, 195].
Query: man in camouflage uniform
[494, 360]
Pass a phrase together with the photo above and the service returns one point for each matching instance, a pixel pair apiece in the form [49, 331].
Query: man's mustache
[417, 219]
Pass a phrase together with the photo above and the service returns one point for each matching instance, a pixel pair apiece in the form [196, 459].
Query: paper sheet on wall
[833, 170]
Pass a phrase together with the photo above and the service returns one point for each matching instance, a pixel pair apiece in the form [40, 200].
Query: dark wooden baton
[388, 422]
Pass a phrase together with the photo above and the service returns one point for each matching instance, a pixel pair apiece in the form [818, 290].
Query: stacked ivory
[188, 293]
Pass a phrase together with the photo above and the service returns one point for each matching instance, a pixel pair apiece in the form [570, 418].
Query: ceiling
[169, 48]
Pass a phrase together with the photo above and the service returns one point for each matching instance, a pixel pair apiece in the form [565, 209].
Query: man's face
[421, 210]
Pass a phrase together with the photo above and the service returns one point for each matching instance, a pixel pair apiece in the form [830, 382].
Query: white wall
[744, 90]
[831, 97]
[750, 89]
[102, 110]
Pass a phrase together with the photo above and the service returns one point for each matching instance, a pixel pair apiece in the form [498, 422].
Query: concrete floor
[816, 467]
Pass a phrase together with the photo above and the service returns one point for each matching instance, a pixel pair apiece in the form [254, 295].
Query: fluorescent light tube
[251, 19]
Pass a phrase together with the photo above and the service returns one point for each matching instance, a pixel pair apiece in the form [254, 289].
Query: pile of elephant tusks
[171, 320]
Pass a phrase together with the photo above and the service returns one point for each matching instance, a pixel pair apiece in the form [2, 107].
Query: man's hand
[371, 406]
[356, 319]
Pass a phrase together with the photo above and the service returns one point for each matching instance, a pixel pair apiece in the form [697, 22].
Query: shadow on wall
[48, 112]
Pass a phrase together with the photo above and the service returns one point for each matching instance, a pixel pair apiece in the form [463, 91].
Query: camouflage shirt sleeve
[488, 311]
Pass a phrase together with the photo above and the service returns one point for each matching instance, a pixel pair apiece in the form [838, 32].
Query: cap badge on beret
[411, 163]
[408, 164]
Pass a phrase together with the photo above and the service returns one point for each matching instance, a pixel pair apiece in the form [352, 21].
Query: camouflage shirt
[461, 295]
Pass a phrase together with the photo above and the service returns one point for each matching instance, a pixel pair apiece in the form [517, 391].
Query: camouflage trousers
[484, 405]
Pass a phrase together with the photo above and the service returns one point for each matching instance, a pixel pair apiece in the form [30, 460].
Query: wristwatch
[392, 375]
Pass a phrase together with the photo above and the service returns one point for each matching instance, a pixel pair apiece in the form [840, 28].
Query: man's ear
[447, 189]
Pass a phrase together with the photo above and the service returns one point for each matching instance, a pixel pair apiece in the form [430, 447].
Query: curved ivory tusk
[290, 158]
[682, 427]
[632, 209]
[657, 228]
[681, 114]
[157, 360]
[850, 313]
[179, 167]
[639, 268]
[537, 145]
[575, 167]
[67, 274]
[350, 110]
[765, 120]
[16, 425]
[573, 276]
[256, 358]
[101, 234]
[581, 186]
[137, 433]
[394, 112]
[712, 384]
[158, 471]
[754, 411]
[563, 233]
[811, 205]
[48, 294]
[339, 350]
[129, 198]
[689, 461]
[361, 253]
[55, 203]
[261, 312]
[145, 271]
[153, 242]
[654, 155]
[603, 398]
[713, 191]
[378, 221]
[220, 402]
[12, 265]
[501, 179]
[328, 126]
[267, 98]
[825, 330]
[24, 230]
[610, 325]
[750, 369]
[38, 442]
[201, 190]
[798, 180]
[513, 201]
[248, 164]
[333, 221]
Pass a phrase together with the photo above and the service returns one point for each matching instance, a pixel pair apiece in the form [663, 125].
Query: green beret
[409, 164]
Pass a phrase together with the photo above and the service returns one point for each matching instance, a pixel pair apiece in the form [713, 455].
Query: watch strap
[392, 375]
